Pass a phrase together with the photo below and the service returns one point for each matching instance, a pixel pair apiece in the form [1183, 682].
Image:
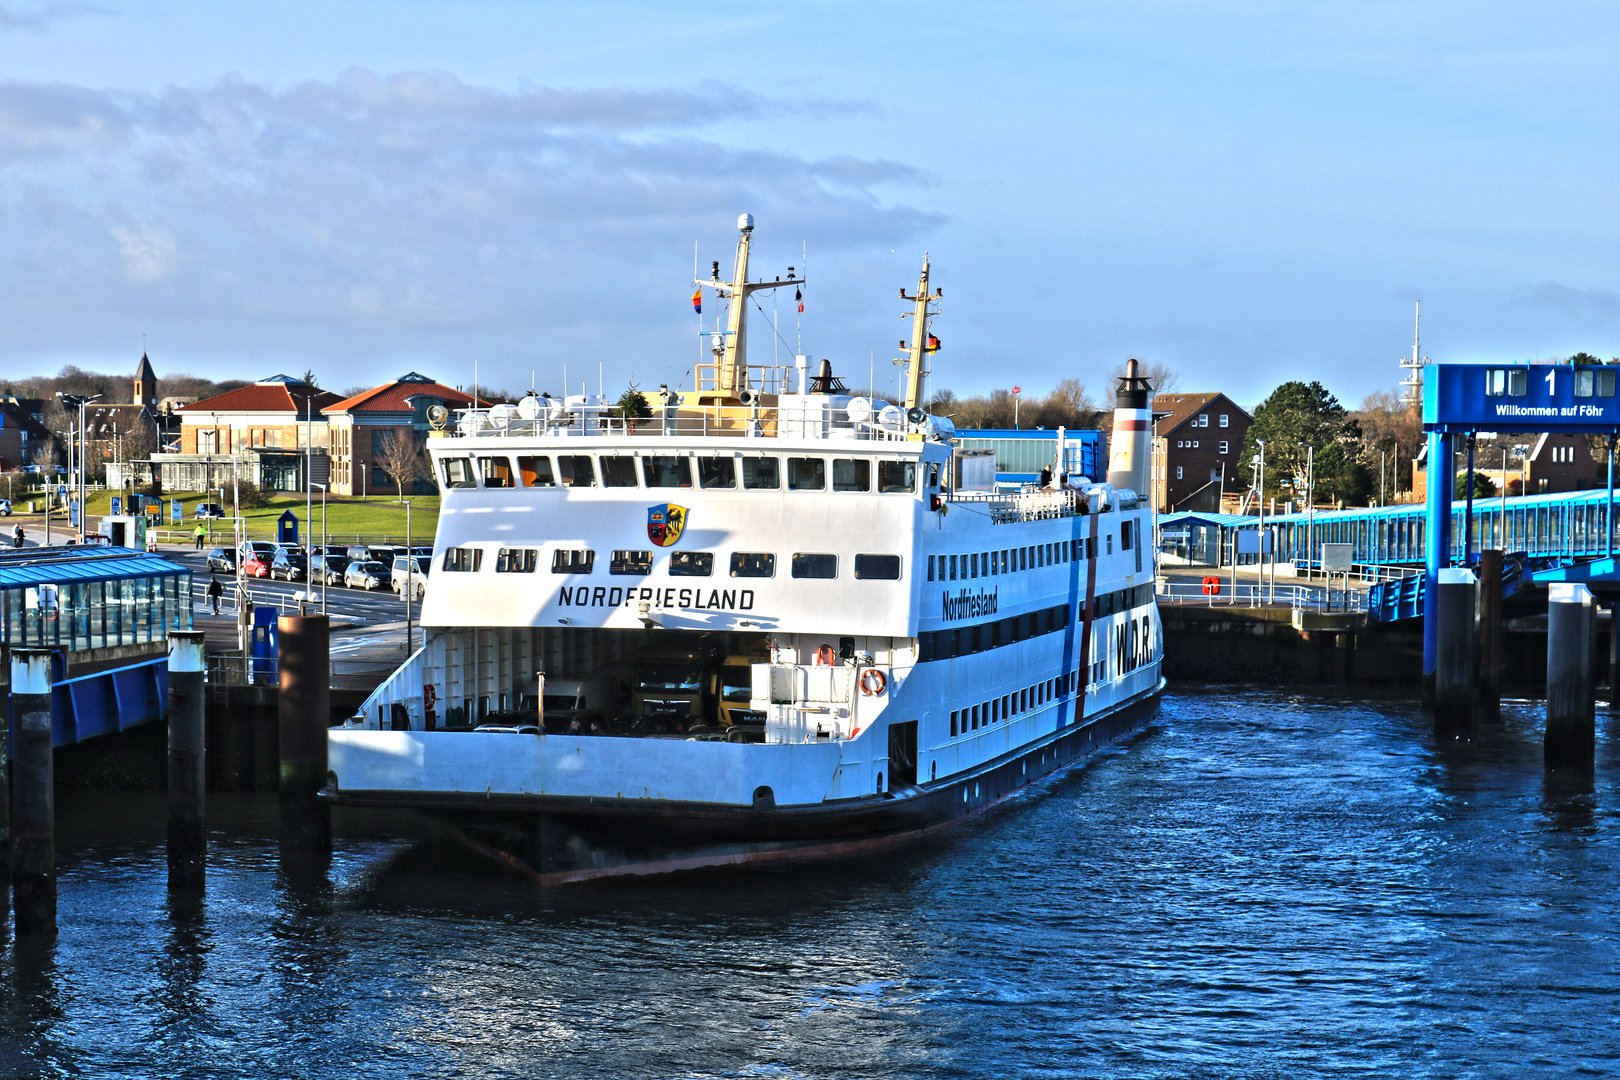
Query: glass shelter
[77, 598]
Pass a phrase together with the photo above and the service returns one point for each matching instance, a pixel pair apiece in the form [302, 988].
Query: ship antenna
[917, 355]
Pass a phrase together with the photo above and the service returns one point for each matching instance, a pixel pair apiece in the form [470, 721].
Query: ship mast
[732, 374]
[916, 375]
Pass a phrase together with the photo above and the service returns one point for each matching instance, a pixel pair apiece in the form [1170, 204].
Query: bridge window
[576, 470]
[516, 560]
[572, 561]
[636, 563]
[691, 564]
[852, 474]
[753, 564]
[666, 471]
[807, 474]
[761, 473]
[1506, 382]
[619, 472]
[465, 560]
[897, 477]
[877, 567]
[458, 472]
[717, 472]
[815, 566]
[536, 472]
[1599, 383]
[497, 471]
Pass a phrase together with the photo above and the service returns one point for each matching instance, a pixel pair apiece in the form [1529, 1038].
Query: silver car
[418, 570]
[366, 575]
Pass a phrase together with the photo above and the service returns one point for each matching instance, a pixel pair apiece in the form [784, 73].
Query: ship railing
[1035, 505]
[1252, 594]
[705, 421]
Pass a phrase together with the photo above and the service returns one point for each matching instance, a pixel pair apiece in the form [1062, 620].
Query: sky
[1247, 192]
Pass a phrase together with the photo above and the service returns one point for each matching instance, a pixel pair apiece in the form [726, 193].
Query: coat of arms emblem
[665, 523]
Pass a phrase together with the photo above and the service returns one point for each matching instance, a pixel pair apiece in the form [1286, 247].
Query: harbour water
[1261, 885]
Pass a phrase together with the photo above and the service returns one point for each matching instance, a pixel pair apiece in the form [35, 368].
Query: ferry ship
[772, 619]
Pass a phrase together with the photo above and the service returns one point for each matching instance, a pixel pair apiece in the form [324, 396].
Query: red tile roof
[262, 397]
[393, 397]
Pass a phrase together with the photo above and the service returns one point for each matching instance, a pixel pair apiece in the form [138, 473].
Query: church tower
[146, 384]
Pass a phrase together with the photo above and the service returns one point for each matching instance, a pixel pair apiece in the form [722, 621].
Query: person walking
[215, 592]
[199, 535]
[17, 536]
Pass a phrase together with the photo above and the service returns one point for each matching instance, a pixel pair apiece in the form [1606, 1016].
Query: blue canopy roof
[57, 565]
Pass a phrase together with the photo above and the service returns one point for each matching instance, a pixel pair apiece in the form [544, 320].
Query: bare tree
[401, 459]
[1158, 374]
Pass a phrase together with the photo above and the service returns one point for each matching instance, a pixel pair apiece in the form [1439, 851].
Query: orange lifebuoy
[826, 655]
[1212, 586]
[873, 681]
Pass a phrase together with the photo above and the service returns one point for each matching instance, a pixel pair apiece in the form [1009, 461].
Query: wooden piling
[188, 761]
[1456, 687]
[1571, 738]
[33, 795]
[305, 701]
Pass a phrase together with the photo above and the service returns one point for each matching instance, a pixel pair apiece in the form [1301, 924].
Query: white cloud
[149, 255]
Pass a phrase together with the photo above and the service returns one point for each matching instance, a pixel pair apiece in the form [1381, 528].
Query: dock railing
[1250, 594]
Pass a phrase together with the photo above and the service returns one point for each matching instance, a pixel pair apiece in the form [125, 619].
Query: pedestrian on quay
[198, 534]
[17, 536]
[215, 592]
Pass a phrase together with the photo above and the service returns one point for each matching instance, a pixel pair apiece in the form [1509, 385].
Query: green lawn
[375, 520]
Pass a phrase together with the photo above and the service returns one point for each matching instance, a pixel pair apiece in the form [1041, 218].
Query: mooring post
[1436, 552]
[1614, 658]
[1456, 687]
[33, 810]
[1571, 739]
[1490, 634]
[306, 821]
[188, 761]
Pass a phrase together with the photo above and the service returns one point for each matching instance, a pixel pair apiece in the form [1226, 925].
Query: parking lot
[352, 605]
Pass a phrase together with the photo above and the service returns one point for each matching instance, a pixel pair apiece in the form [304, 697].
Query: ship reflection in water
[1259, 885]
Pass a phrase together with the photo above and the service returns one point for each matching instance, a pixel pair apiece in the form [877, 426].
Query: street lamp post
[1260, 534]
[310, 559]
[1015, 392]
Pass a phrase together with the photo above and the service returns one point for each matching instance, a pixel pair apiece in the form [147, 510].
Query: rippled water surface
[1261, 885]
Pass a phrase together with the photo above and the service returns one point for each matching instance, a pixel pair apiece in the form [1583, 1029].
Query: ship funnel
[1128, 455]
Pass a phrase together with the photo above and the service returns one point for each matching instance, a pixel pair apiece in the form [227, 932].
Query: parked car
[289, 565]
[5, 507]
[329, 569]
[256, 564]
[259, 547]
[365, 575]
[208, 510]
[356, 553]
[402, 565]
[384, 553]
[221, 560]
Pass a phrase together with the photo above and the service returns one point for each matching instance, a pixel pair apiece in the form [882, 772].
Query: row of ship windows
[719, 473]
[633, 563]
[1009, 705]
[984, 636]
[1011, 560]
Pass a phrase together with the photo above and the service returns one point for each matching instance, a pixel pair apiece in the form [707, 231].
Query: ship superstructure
[772, 618]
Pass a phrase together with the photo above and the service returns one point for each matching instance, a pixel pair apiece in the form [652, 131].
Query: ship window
[953, 723]
[572, 561]
[516, 560]
[619, 472]
[973, 565]
[852, 474]
[458, 472]
[575, 470]
[667, 470]
[717, 472]
[691, 564]
[637, 563]
[465, 560]
[1023, 559]
[897, 477]
[953, 567]
[933, 475]
[877, 567]
[761, 473]
[807, 474]
[930, 569]
[536, 472]
[975, 718]
[497, 471]
[815, 566]
[1125, 536]
[753, 564]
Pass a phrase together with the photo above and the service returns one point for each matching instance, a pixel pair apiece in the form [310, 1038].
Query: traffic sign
[117, 505]
[176, 510]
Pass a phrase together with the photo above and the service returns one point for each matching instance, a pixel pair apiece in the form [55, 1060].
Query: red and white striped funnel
[1128, 455]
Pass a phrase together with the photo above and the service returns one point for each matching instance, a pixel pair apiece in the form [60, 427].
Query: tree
[401, 459]
[1584, 358]
[1298, 416]
[1484, 486]
[249, 496]
[310, 377]
[632, 408]
[1392, 432]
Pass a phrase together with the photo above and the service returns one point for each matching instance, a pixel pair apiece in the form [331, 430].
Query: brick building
[264, 432]
[1197, 440]
[365, 428]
